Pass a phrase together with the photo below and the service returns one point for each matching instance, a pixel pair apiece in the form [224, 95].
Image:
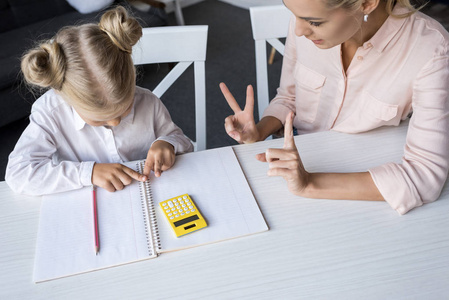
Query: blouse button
[360, 57]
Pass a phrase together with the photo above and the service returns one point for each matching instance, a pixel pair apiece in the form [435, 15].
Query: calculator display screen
[186, 220]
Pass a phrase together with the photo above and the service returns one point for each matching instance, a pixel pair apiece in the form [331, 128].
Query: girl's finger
[117, 183]
[149, 162]
[134, 175]
[157, 168]
[108, 187]
[231, 100]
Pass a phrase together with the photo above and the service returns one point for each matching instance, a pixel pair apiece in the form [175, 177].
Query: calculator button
[164, 204]
[179, 198]
[186, 208]
[185, 197]
[187, 211]
[177, 216]
[192, 210]
[183, 205]
[180, 210]
[173, 209]
[167, 210]
[181, 202]
[174, 200]
[182, 214]
[170, 214]
[191, 206]
[178, 207]
[170, 203]
[171, 218]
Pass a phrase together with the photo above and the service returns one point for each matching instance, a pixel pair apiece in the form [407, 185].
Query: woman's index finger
[229, 98]
[249, 106]
[289, 141]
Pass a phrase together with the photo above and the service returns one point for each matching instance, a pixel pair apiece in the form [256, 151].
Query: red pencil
[96, 229]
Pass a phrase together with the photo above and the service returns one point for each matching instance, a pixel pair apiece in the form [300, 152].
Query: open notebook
[129, 220]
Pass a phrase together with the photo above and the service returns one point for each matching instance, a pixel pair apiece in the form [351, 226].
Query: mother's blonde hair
[89, 65]
[355, 4]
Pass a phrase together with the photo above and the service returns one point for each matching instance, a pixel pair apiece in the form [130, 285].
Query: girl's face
[99, 119]
[326, 28]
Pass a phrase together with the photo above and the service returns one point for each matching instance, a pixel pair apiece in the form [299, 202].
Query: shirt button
[360, 57]
[370, 45]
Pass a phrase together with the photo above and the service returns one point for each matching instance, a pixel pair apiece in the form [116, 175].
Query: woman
[352, 66]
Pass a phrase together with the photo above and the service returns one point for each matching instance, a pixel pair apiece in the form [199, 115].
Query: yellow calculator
[182, 214]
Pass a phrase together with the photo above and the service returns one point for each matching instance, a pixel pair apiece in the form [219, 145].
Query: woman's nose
[302, 28]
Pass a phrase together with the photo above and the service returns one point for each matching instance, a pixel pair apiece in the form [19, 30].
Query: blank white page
[217, 185]
[65, 242]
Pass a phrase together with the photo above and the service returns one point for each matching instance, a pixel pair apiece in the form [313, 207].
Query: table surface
[314, 248]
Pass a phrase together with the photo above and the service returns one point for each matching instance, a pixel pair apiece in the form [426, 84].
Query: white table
[315, 248]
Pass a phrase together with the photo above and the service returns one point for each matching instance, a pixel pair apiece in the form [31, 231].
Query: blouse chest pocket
[380, 111]
[308, 88]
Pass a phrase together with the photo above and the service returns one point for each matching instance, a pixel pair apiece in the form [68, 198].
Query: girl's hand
[286, 162]
[114, 177]
[241, 126]
[161, 157]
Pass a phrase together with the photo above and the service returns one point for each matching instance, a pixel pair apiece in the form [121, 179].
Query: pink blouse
[404, 67]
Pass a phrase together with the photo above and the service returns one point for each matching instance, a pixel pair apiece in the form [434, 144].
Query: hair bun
[44, 66]
[123, 30]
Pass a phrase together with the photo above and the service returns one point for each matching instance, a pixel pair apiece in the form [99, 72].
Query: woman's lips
[317, 42]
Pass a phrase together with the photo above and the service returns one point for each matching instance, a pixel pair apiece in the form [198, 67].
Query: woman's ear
[368, 6]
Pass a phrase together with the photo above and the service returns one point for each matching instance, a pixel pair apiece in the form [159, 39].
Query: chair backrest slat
[269, 23]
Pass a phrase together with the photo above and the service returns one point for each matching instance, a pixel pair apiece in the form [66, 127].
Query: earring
[365, 18]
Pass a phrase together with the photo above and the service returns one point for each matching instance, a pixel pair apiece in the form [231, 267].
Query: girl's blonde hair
[355, 4]
[90, 64]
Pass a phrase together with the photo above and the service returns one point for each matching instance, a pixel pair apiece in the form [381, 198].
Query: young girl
[94, 117]
[352, 66]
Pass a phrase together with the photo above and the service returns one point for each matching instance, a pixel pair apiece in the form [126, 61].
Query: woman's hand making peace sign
[241, 126]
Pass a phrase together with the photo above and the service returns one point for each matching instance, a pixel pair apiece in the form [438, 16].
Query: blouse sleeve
[31, 169]
[284, 101]
[421, 176]
[167, 130]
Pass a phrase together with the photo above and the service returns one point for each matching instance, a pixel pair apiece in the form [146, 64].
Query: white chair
[184, 45]
[170, 6]
[269, 23]
[178, 11]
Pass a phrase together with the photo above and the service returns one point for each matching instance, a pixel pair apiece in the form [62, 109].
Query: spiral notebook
[132, 226]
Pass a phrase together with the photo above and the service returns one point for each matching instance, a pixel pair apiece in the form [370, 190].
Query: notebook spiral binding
[151, 227]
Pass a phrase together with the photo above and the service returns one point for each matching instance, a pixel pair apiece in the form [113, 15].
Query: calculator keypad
[178, 207]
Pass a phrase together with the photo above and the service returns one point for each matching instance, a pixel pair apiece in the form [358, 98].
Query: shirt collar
[80, 123]
[129, 119]
[388, 30]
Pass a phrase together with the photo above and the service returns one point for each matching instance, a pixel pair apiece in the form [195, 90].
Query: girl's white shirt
[57, 150]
